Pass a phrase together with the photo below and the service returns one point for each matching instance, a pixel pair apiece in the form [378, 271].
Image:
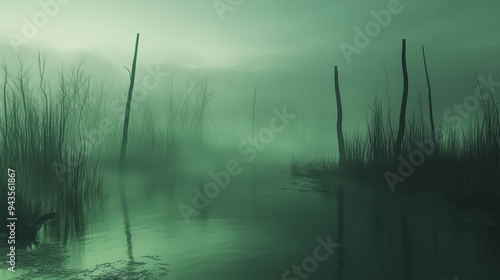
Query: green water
[263, 223]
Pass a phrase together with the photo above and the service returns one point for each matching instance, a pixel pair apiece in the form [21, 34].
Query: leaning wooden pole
[340, 135]
[122, 156]
[127, 109]
[430, 100]
[402, 115]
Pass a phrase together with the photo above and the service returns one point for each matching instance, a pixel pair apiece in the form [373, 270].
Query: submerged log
[28, 233]
[45, 218]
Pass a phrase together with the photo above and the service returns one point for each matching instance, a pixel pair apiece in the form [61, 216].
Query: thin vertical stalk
[122, 156]
[41, 71]
[127, 109]
[389, 108]
[254, 188]
[340, 135]
[21, 81]
[430, 99]
[402, 116]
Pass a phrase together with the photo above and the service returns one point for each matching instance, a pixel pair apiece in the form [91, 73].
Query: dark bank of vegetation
[416, 154]
[59, 134]
[39, 120]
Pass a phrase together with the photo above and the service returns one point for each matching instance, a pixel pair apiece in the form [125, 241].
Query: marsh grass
[41, 125]
[171, 118]
[465, 165]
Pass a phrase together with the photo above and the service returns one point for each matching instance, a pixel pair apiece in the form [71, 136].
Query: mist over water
[233, 167]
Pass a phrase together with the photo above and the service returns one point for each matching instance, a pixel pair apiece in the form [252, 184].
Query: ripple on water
[49, 261]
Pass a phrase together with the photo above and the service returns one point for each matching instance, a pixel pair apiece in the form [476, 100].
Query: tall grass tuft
[466, 169]
[41, 125]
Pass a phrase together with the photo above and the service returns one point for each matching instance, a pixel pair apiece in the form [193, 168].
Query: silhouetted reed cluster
[461, 162]
[40, 128]
[465, 164]
[57, 133]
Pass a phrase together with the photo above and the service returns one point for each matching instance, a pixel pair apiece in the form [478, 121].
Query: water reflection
[381, 235]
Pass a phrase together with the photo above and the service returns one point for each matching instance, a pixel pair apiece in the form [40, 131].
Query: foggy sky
[286, 49]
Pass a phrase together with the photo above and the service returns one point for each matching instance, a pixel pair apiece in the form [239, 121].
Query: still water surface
[261, 225]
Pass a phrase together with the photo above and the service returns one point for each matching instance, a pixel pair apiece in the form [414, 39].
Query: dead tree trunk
[127, 109]
[340, 135]
[430, 101]
[402, 116]
[122, 157]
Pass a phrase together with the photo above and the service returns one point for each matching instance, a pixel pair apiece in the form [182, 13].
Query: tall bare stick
[430, 98]
[122, 155]
[402, 116]
[127, 109]
[340, 135]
